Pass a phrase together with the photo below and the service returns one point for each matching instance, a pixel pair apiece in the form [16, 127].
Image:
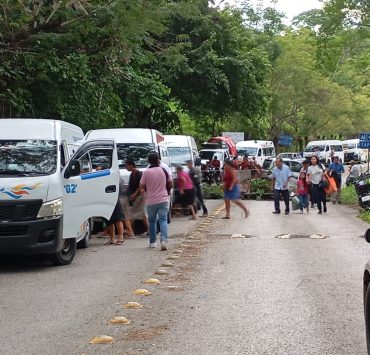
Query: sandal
[110, 243]
[132, 236]
[226, 217]
[119, 242]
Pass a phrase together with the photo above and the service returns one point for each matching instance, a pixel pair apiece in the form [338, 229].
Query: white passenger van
[46, 200]
[259, 149]
[181, 149]
[323, 150]
[135, 143]
[352, 151]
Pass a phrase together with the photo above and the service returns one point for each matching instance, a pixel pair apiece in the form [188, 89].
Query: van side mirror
[367, 235]
[198, 161]
[74, 169]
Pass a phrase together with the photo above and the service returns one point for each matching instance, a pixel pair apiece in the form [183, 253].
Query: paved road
[257, 295]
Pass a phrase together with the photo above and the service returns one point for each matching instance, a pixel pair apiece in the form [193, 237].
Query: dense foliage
[186, 66]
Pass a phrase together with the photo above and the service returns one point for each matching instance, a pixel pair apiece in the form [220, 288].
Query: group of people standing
[314, 184]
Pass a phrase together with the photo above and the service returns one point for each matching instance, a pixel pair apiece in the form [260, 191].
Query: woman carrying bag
[316, 178]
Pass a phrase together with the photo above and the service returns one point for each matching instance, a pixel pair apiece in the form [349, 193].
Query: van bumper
[43, 236]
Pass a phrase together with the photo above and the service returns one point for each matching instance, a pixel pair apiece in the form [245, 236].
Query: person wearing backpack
[157, 183]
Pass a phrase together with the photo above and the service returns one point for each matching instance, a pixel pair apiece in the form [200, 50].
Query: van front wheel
[66, 254]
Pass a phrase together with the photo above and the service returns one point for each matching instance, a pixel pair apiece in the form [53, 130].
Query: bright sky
[290, 7]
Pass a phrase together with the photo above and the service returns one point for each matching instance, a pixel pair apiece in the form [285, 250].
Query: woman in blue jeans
[156, 182]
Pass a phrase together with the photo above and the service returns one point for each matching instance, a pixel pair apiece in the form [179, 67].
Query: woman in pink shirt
[186, 190]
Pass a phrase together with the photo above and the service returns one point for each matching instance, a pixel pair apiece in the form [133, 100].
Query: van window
[136, 151]
[101, 159]
[259, 152]
[179, 155]
[250, 151]
[337, 148]
[28, 156]
[268, 152]
[85, 165]
[295, 167]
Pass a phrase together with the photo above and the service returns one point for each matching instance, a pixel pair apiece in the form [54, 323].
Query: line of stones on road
[191, 240]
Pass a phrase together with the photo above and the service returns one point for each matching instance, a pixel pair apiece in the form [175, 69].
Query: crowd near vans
[259, 149]
[353, 152]
[135, 143]
[181, 149]
[51, 186]
[209, 154]
[324, 150]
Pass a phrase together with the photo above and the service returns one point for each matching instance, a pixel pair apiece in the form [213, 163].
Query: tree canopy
[187, 66]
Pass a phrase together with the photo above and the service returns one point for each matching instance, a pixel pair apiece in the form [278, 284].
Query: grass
[349, 196]
[365, 216]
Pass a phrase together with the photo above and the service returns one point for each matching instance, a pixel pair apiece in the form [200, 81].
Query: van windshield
[247, 151]
[349, 146]
[29, 156]
[209, 154]
[313, 148]
[138, 152]
[337, 148]
[179, 155]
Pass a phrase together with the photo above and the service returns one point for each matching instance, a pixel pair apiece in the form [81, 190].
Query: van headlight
[51, 208]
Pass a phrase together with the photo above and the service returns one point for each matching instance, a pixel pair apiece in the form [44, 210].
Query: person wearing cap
[336, 169]
[157, 183]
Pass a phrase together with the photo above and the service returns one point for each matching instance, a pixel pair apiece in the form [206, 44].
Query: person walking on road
[196, 177]
[302, 192]
[157, 183]
[186, 190]
[232, 189]
[136, 199]
[315, 179]
[281, 175]
[336, 170]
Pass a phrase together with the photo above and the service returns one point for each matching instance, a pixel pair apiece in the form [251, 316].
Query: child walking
[302, 192]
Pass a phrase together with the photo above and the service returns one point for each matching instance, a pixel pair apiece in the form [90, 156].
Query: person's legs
[227, 207]
[305, 201]
[241, 205]
[317, 196]
[339, 193]
[286, 200]
[152, 218]
[128, 226]
[119, 228]
[323, 198]
[162, 209]
[110, 232]
[198, 192]
[277, 200]
[192, 211]
[301, 202]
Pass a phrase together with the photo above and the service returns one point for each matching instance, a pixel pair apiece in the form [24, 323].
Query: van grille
[11, 231]
[18, 211]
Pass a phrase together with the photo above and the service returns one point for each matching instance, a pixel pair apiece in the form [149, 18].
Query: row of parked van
[54, 180]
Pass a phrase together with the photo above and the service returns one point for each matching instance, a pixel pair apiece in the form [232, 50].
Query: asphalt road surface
[225, 294]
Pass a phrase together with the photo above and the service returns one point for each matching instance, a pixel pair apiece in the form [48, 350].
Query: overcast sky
[290, 7]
